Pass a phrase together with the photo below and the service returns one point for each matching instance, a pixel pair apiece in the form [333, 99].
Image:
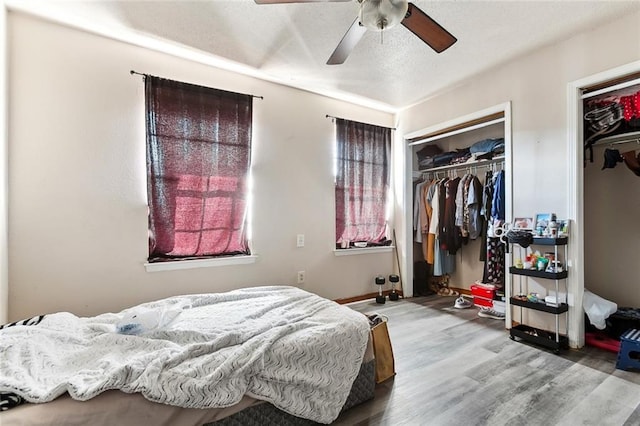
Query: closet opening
[450, 248]
[604, 194]
[612, 197]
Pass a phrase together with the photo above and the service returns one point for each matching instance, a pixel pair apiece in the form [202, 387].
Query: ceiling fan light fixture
[379, 15]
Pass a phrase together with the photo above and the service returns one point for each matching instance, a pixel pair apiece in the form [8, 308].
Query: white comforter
[280, 344]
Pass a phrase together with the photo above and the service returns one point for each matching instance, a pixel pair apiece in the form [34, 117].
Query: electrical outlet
[301, 277]
[300, 240]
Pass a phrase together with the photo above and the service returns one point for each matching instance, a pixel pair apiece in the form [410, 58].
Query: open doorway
[488, 124]
[601, 83]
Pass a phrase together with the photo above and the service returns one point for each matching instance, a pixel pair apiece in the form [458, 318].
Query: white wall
[77, 207]
[4, 188]
[537, 86]
[612, 237]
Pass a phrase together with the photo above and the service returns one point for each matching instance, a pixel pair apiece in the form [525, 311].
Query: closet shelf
[539, 274]
[549, 241]
[619, 139]
[537, 306]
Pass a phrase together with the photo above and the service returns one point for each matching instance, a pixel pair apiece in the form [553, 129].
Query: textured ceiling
[290, 43]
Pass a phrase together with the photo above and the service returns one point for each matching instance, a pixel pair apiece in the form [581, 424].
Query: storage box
[483, 294]
[552, 300]
[485, 291]
[481, 301]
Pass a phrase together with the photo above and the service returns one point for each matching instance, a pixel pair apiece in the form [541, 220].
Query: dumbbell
[393, 279]
[380, 298]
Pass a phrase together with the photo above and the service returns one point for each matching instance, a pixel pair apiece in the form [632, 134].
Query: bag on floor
[385, 364]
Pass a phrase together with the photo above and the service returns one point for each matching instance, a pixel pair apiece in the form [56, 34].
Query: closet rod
[462, 166]
[600, 143]
[457, 132]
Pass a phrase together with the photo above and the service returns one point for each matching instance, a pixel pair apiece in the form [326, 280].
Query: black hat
[524, 238]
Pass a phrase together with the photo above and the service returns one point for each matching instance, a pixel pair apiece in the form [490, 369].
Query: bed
[263, 355]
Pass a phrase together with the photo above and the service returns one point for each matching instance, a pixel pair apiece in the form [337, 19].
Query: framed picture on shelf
[563, 227]
[542, 220]
[523, 223]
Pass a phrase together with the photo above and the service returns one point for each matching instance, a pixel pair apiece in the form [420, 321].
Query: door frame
[575, 192]
[504, 108]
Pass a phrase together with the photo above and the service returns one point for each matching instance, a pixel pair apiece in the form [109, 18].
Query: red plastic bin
[481, 301]
[482, 291]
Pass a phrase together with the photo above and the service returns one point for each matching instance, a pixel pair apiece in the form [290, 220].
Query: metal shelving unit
[550, 339]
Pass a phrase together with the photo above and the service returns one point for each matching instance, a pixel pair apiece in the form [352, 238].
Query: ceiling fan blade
[296, 1]
[348, 43]
[427, 29]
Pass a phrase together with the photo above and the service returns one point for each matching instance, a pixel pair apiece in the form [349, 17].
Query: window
[362, 183]
[198, 158]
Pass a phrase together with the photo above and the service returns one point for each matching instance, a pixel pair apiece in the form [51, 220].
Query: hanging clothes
[425, 218]
[443, 262]
[416, 210]
[494, 266]
[487, 196]
[431, 237]
[497, 204]
[449, 212]
[451, 237]
[494, 269]
[474, 203]
[462, 209]
[468, 203]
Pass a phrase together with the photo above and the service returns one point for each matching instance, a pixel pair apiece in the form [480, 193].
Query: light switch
[300, 240]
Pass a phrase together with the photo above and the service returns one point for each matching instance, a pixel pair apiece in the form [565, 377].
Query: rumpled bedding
[281, 344]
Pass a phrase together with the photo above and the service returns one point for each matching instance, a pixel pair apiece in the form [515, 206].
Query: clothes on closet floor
[451, 211]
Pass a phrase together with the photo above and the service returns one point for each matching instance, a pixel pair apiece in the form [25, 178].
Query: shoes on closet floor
[446, 291]
[462, 303]
[490, 313]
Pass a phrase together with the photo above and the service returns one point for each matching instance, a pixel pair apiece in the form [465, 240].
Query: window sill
[199, 263]
[364, 250]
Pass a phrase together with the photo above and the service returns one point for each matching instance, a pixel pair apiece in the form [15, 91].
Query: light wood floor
[455, 368]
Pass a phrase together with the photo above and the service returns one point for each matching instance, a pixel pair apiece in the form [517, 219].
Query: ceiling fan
[380, 15]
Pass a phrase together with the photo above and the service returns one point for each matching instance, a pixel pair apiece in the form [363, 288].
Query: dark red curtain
[362, 181]
[198, 157]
